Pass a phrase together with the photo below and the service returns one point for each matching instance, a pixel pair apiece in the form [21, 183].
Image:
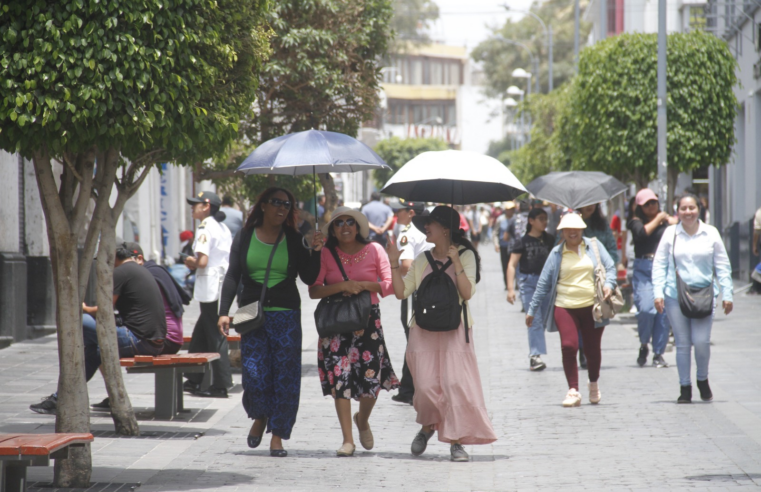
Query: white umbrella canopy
[454, 176]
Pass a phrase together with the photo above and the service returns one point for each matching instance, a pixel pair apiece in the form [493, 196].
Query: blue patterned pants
[272, 371]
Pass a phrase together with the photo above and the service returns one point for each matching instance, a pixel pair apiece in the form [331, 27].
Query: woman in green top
[271, 354]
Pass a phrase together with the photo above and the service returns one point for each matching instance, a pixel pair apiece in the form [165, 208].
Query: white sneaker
[594, 393]
[572, 399]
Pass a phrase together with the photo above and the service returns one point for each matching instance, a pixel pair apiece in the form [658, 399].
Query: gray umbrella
[576, 189]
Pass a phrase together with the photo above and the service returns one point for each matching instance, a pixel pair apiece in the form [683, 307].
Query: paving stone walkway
[636, 439]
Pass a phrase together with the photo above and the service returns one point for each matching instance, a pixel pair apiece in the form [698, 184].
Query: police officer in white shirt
[411, 242]
[212, 255]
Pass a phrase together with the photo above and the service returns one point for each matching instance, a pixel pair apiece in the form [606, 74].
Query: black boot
[685, 394]
[705, 391]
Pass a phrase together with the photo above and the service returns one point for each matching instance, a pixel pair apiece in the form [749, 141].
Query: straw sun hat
[571, 220]
[364, 226]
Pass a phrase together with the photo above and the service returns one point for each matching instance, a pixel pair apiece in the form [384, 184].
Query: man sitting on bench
[138, 299]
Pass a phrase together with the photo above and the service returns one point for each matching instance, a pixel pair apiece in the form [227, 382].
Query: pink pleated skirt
[448, 392]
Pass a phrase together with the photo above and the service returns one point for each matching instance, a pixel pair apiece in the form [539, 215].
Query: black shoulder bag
[251, 316]
[695, 303]
[339, 313]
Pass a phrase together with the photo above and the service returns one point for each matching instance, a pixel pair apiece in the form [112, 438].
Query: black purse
[339, 314]
[251, 316]
[695, 303]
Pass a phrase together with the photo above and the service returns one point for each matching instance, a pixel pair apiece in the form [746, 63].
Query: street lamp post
[548, 34]
[662, 119]
[514, 91]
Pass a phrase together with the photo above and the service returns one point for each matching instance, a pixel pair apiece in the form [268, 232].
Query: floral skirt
[356, 365]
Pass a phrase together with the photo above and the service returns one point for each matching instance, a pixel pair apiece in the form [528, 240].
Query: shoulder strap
[338, 262]
[269, 265]
[673, 255]
[593, 240]
[434, 266]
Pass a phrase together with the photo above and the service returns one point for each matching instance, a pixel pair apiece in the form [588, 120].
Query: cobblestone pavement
[636, 439]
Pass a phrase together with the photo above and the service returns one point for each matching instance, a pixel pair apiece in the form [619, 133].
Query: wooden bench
[168, 371]
[232, 340]
[19, 451]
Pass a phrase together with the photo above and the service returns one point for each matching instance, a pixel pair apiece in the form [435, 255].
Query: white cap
[571, 220]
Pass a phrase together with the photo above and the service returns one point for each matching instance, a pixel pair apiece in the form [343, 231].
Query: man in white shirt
[212, 256]
[411, 242]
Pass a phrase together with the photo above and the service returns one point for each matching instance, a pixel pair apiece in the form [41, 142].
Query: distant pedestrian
[380, 217]
[271, 354]
[448, 394]
[233, 217]
[211, 253]
[320, 208]
[698, 252]
[354, 365]
[504, 230]
[597, 226]
[530, 253]
[412, 243]
[647, 228]
[567, 279]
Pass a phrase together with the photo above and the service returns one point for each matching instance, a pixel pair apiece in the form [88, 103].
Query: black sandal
[255, 441]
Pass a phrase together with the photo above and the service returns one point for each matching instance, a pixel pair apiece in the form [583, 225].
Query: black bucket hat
[446, 216]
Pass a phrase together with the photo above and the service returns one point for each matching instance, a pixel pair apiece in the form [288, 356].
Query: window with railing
[422, 70]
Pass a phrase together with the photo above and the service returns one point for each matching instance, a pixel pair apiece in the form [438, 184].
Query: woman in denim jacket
[568, 279]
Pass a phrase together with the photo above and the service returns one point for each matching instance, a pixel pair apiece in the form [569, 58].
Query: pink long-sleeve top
[369, 264]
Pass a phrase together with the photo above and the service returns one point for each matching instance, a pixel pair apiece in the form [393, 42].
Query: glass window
[418, 114]
[416, 72]
[454, 73]
[451, 116]
[437, 73]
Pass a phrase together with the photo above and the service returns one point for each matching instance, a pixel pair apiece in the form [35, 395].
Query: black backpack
[437, 303]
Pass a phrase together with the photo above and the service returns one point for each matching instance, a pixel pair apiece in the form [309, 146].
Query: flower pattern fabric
[356, 365]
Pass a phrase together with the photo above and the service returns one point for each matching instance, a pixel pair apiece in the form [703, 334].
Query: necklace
[355, 258]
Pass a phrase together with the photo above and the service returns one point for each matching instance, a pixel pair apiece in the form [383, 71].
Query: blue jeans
[527, 286]
[129, 345]
[650, 324]
[690, 333]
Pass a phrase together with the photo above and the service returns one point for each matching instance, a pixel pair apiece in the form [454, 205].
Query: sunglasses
[650, 203]
[277, 202]
[347, 222]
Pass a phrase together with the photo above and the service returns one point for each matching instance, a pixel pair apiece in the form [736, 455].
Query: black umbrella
[576, 189]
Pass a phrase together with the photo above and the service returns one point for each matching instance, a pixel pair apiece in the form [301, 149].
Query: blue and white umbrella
[311, 152]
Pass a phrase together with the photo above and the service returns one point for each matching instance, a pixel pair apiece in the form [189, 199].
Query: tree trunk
[125, 422]
[73, 413]
[331, 198]
[73, 402]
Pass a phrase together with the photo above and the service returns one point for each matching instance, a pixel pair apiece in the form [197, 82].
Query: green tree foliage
[125, 84]
[499, 59]
[605, 118]
[323, 74]
[411, 20]
[398, 151]
[609, 123]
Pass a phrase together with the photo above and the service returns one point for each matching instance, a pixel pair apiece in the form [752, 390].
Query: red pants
[570, 322]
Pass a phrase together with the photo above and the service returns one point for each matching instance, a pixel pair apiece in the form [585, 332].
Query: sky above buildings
[467, 22]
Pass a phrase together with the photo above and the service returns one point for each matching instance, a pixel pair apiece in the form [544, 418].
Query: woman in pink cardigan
[354, 365]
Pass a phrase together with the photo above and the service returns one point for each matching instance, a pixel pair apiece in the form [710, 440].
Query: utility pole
[550, 50]
[662, 114]
[576, 16]
[604, 19]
